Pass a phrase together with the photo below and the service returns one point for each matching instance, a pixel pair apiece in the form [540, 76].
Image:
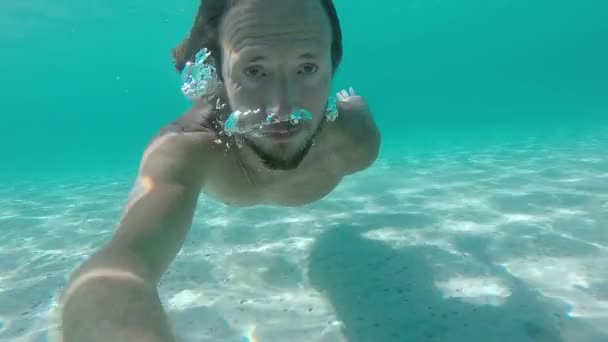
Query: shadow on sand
[386, 295]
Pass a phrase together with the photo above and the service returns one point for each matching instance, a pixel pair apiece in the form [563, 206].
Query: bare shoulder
[179, 145]
[181, 150]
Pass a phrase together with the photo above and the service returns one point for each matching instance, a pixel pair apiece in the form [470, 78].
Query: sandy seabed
[509, 243]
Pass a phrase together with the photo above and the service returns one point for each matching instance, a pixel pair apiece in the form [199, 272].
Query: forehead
[274, 21]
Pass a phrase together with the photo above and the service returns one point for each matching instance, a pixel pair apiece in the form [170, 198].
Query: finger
[352, 91]
[340, 96]
[345, 94]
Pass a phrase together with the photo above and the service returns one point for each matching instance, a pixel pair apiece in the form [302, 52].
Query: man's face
[277, 58]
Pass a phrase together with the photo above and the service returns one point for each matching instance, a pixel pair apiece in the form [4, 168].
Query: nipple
[248, 122]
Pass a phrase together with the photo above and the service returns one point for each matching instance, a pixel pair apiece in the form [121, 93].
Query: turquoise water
[97, 76]
[484, 218]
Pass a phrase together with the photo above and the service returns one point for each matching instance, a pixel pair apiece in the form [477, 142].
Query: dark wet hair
[205, 33]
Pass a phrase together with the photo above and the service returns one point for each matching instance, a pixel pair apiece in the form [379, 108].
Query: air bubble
[252, 121]
[199, 76]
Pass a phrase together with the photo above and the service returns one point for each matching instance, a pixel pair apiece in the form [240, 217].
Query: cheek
[315, 96]
[239, 96]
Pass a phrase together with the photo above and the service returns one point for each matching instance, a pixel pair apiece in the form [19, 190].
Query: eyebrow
[256, 59]
[307, 56]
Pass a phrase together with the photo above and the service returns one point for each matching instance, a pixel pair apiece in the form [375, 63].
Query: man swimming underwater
[271, 59]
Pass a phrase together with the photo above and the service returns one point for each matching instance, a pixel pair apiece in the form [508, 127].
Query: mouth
[281, 131]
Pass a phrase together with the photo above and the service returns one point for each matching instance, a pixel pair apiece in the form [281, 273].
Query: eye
[308, 68]
[255, 71]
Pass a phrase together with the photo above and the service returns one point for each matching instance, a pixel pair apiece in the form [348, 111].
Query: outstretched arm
[354, 135]
[113, 296]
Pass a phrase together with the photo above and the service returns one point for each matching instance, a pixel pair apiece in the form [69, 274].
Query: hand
[349, 101]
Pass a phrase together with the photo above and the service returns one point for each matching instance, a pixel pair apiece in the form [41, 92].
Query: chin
[285, 155]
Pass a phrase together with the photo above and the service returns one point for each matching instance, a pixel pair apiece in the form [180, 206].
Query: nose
[281, 99]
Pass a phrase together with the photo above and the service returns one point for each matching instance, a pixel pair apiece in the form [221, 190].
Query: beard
[285, 162]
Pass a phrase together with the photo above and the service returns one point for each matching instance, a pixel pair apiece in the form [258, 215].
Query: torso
[233, 182]
[235, 179]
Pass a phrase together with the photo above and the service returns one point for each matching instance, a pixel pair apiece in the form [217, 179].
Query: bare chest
[233, 183]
